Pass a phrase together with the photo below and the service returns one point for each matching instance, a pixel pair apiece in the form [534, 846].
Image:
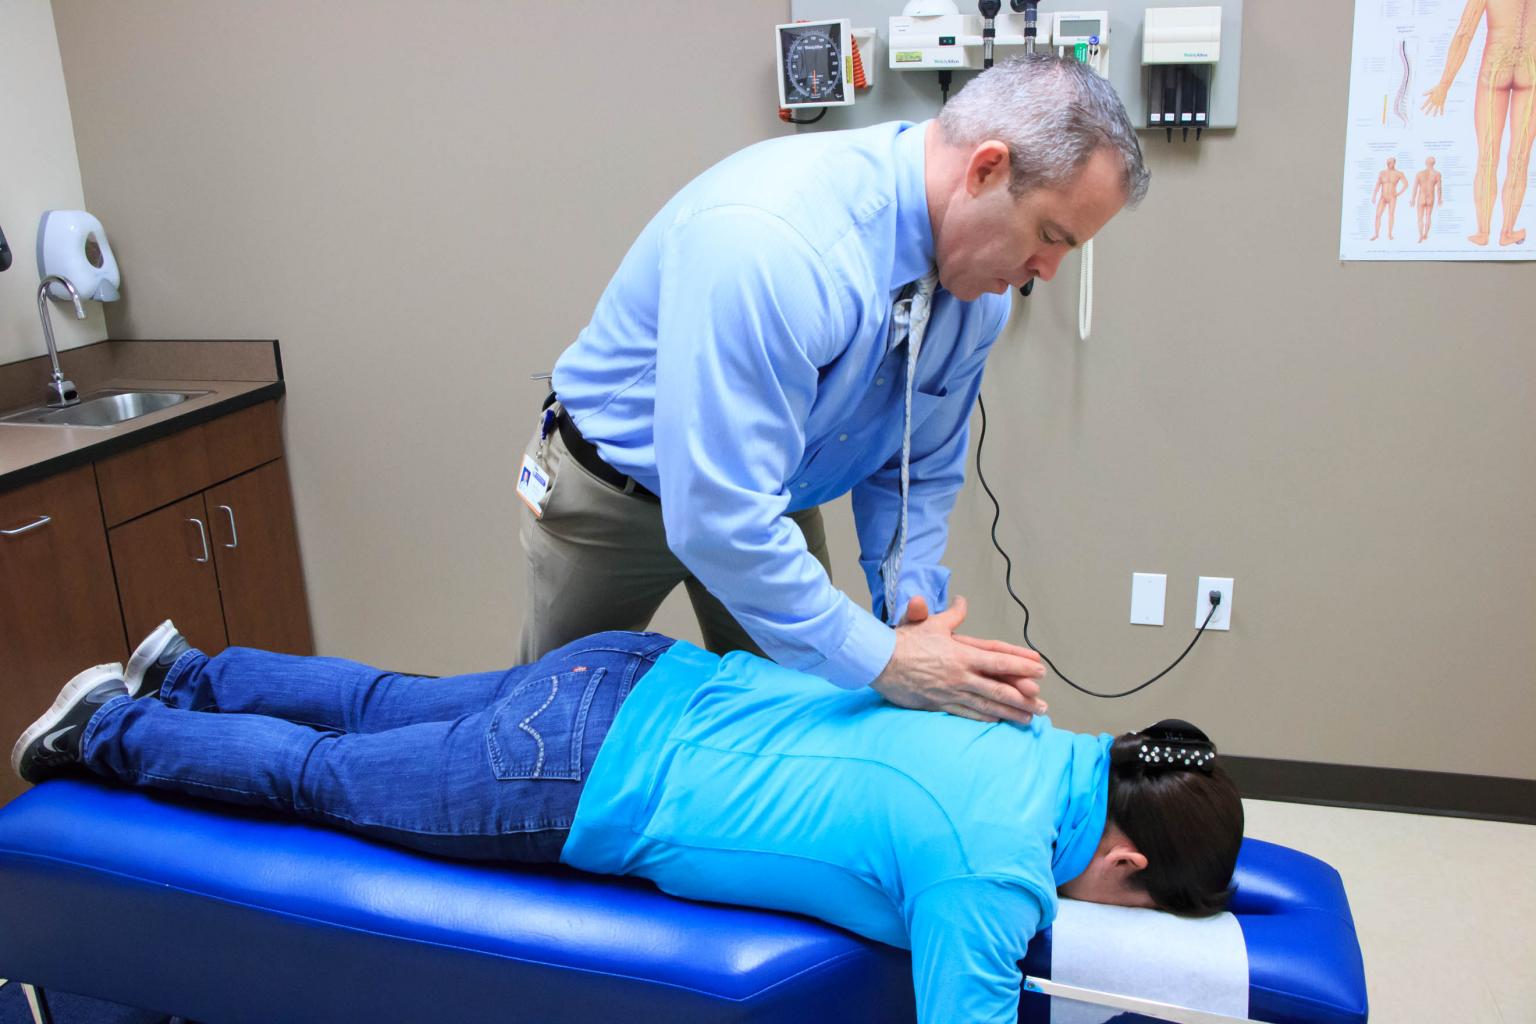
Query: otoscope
[1031, 11]
[989, 9]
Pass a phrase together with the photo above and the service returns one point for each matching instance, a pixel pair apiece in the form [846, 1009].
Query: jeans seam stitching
[500, 766]
[554, 691]
[579, 728]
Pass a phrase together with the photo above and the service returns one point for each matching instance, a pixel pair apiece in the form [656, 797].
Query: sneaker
[153, 658]
[51, 745]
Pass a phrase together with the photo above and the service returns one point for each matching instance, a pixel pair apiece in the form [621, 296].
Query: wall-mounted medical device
[918, 97]
[5, 253]
[1082, 34]
[1179, 48]
[932, 35]
[816, 64]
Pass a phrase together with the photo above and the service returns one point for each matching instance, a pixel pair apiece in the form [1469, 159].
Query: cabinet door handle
[18, 531]
[202, 533]
[234, 536]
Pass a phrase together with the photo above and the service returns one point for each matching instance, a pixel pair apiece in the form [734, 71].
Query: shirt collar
[1085, 815]
[914, 231]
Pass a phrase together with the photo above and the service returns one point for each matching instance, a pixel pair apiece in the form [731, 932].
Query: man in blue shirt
[770, 343]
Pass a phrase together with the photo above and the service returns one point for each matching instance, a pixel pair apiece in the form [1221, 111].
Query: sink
[104, 408]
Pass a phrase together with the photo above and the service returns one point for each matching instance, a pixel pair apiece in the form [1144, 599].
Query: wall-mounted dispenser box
[1180, 47]
[1181, 35]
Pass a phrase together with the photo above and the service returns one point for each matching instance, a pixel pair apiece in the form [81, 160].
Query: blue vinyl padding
[231, 916]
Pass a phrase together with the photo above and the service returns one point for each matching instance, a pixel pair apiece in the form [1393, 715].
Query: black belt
[584, 452]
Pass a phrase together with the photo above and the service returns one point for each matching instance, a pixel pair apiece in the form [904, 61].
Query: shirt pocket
[925, 404]
[536, 731]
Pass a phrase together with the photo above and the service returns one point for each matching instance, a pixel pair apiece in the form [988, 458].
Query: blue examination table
[229, 916]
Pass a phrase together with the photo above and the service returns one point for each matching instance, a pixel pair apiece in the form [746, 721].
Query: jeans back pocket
[536, 732]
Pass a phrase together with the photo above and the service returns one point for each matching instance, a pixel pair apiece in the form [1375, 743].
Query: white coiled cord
[1085, 293]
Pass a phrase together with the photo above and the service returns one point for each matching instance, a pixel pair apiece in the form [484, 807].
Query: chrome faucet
[61, 392]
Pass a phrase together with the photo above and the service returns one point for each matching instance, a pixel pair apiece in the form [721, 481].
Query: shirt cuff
[929, 582]
[864, 652]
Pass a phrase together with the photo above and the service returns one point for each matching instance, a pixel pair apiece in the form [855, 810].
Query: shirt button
[804, 485]
[879, 382]
[842, 437]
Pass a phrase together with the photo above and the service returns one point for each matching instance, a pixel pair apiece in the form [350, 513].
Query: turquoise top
[739, 781]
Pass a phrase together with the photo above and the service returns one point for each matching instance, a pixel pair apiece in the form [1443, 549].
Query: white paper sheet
[1201, 963]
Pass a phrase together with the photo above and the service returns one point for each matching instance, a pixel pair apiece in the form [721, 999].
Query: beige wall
[38, 171]
[423, 205]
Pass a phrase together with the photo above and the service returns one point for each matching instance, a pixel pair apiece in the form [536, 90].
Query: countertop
[30, 452]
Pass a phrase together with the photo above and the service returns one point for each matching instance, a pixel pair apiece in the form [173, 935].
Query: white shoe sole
[73, 691]
[146, 654]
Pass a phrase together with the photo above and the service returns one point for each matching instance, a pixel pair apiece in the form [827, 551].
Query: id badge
[533, 486]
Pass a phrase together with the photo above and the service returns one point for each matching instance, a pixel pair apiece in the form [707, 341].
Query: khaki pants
[599, 560]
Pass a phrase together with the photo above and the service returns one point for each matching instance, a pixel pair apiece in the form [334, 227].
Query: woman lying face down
[728, 779]
[1172, 828]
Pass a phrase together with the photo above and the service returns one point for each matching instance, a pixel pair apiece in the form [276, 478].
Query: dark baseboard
[1386, 789]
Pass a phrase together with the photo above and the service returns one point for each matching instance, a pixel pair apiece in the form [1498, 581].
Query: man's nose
[1046, 264]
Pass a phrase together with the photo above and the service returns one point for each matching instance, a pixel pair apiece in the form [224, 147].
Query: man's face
[990, 242]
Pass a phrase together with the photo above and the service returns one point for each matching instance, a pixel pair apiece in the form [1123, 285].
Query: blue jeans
[484, 767]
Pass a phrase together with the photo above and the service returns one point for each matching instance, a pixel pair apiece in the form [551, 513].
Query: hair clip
[1174, 743]
[1168, 756]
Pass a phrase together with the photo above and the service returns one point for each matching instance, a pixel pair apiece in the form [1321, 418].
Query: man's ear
[989, 166]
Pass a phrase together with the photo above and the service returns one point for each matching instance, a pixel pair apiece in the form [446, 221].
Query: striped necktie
[911, 315]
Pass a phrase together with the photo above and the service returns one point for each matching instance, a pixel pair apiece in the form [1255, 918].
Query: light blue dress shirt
[741, 365]
[740, 781]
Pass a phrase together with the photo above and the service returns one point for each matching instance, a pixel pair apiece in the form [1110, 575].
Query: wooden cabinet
[256, 549]
[196, 526]
[219, 553]
[165, 570]
[58, 604]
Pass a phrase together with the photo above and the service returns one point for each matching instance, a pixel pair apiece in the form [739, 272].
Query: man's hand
[936, 669]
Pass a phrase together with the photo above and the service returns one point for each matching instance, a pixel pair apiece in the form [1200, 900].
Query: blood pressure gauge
[816, 64]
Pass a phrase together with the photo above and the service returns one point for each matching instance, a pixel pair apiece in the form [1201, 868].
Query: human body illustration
[1506, 93]
[1390, 184]
[1427, 194]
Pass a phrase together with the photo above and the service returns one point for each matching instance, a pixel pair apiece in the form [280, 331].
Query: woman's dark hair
[1187, 821]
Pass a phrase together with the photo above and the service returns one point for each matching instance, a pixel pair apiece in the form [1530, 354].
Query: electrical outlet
[1223, 617]
[1148, 591]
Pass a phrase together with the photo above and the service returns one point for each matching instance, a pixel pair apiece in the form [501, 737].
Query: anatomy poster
[1437, 160]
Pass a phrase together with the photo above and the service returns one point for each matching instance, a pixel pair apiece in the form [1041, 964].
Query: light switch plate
[1149, 591]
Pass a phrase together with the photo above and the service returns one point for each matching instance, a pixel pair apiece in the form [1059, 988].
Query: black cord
[997, 512]
[792, 119]
[945, 77]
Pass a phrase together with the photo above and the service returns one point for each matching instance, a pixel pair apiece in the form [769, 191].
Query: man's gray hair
[1052, 113]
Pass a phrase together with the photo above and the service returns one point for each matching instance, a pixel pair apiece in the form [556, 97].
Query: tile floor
[1445, 907]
